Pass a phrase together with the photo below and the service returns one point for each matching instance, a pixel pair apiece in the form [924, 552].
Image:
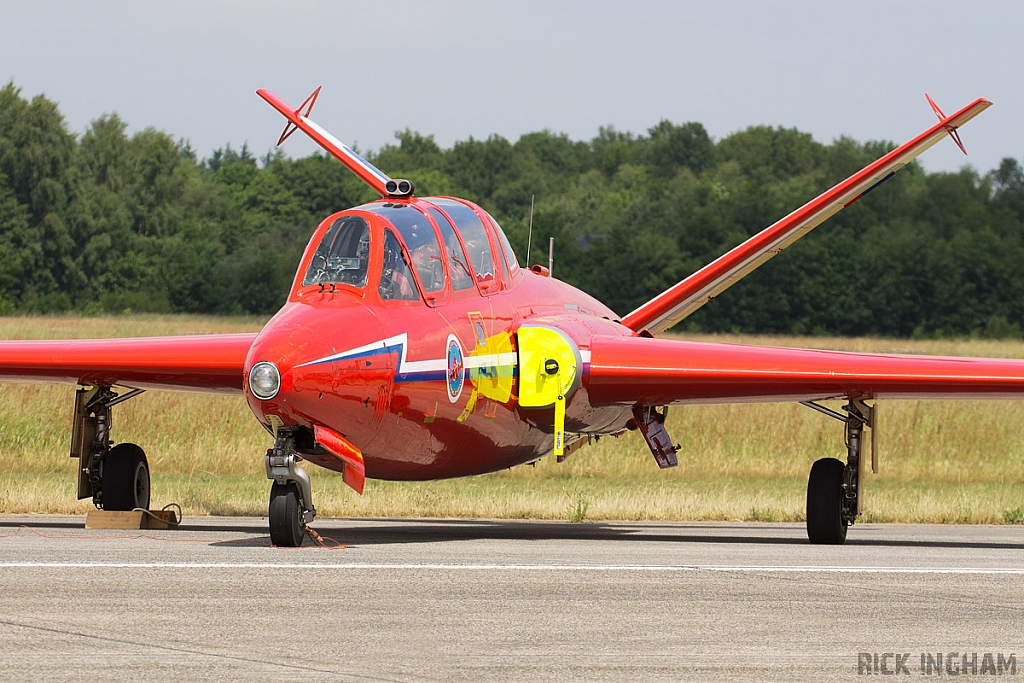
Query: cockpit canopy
[343, 255]
[428, 249]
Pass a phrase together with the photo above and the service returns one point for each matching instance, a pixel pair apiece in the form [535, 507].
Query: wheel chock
[135, 519]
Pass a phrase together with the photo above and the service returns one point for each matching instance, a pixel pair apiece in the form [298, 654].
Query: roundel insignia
[456, 375]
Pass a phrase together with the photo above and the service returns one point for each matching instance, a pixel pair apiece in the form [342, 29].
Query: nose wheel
[287, 529]
[291, 495]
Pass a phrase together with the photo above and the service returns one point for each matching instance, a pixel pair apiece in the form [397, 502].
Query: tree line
[110, 222]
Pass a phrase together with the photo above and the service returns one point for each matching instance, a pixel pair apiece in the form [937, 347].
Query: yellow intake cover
[549, 371]
[549, 366]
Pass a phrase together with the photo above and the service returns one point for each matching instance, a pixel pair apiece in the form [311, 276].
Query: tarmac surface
[484, 600]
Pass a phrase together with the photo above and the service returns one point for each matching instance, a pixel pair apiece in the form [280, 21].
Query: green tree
[671, 147]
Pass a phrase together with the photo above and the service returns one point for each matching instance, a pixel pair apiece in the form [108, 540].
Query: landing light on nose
[264, 380]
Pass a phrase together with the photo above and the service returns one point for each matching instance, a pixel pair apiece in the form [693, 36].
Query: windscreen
[342, 255]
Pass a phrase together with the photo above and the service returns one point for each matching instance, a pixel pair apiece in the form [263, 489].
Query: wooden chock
[117, 519]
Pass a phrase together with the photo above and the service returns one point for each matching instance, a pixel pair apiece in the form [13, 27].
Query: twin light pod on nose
[399, 188]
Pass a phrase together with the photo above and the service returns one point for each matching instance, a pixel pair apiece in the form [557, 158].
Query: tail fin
[949, 129]
[674, 304]
[299, 120]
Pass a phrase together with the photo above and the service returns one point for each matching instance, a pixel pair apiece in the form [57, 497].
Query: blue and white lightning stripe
[436, 369]
[347, 151]
[407, 370]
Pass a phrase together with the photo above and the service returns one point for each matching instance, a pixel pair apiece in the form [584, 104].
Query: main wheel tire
[285, 515]
[825, 523]
[125, 477]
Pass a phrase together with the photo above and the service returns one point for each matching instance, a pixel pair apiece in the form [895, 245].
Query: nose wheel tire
[286, 527]
[125, 478]
[825, 522]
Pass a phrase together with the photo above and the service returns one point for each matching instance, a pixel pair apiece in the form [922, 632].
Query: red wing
[212, 363]
[667, 371]
[674, 304]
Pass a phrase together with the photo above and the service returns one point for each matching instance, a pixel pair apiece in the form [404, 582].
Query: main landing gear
[291, 496]
[117, 478]
[833, 488]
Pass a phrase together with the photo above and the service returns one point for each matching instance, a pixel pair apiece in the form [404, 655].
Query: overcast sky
[456, 69]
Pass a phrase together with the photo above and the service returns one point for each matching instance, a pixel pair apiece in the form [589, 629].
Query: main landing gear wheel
[125, 478]
[286, 527]
[826, 523]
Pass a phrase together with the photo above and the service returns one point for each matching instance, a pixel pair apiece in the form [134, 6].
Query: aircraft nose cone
[319, 382]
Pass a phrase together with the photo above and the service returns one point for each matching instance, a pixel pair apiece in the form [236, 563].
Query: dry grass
[82, 327]
[941, 461]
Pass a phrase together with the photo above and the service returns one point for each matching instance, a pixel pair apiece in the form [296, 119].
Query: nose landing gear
[286, 526]
[291, 496]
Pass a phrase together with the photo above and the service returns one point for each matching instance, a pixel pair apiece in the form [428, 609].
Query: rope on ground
[324, 541]
[175, 518]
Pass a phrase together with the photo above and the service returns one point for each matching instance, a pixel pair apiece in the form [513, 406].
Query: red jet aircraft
[413, 346]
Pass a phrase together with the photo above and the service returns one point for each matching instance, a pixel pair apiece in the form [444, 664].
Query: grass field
[940, 461]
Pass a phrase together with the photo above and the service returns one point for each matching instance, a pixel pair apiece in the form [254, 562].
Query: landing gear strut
[833, 488]
[291, 495]
[117, 478]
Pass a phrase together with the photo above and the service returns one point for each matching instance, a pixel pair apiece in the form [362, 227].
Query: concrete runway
[472, 600]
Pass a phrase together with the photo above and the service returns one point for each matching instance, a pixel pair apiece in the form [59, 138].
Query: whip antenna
[529, 240]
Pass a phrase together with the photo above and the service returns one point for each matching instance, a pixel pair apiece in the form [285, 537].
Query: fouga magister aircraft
[413, 346]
